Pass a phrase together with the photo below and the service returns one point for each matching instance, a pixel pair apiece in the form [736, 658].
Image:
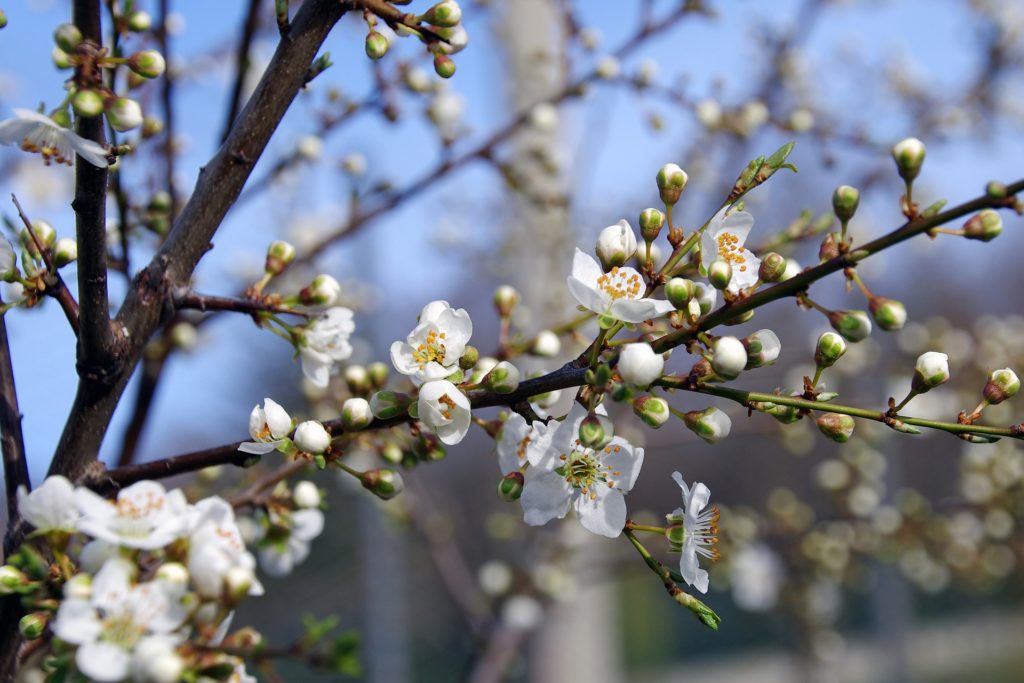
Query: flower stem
[648, 528]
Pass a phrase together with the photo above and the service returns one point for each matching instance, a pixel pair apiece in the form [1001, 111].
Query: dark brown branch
[167, 104]
[11, 438]
[217, 187]
[208, 302]
[242, 63]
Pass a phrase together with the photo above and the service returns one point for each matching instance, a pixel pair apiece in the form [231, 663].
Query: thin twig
[11, 438]
[242, 64]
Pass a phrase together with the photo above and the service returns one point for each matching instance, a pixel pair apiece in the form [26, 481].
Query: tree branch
[242, 64]
[11, 439]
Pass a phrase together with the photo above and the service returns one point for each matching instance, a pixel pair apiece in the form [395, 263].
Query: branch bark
[11, 439]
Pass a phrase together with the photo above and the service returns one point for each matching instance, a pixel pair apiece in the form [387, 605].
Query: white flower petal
[102, 661]
[604, 515]
[546, 496]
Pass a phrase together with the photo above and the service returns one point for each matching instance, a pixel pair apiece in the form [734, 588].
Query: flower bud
[311, 437]
[984, 226]
[773, 266]
[61, 59]
[237, 584]
[1001, 385]
[762, 347]
[652, 410]
[792, 270]
[469, 359]
[710, 424]
[444, 66]
[33, 625]
[124, 114]
[148, 63]
[87, 103]
[357, 379]
[890, 314]
[844, 202]
[729, 357]
[837, 427]
[829, 349]
[8, 261]
[679, 291]
[174, 576]
[719, 274]
[503, 378]
[608, 68]
[279, 255]
[324, 290]
[706, 298]
[356, 414]
[67, 37]
[829, 248]
[378, 373]
[384, 483]
[139, 21]
[376, 45]
[444, 14]
[909, 155]
[306, 495]
[671, 180]
[3, 19]
[44, 232]
[931, 370]
[65, 251]
[506, 298]
[78, 586]
[457, 38]
[855, 326]
[616, 244]
[639, 365]
[511, 486]
[546, 344]
[596, 431]
[11, 579]
[388, 404]
[651, 223]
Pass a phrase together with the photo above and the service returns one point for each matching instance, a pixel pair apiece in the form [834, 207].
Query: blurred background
[889, 558]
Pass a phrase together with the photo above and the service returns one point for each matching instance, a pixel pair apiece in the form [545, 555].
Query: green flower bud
[671, 180]
[511, 487]
[719, 274]
[11, 579]
[87, 103]
[762, 347]
[984, 226]
[139, 21]
[151, 127]
[469, 358]
[651, 223]
[384, 483]
[837, 427]
[279, 255]
[931, 370]
[148, 64]
[388, 404]
[506, 298]
[67, 37]
[392, 452]
[710, 424]
[773, 265]
[890, 314]
[844, 202]
[1001, 385]
[65, 251]
[829, 349]
[44, 232]
[33, 625]
[909, 156]
[376, 45]
[679, 291]
[652, 410]
[995, 189]
[444, 66]
[855, 326]
[444, 14]
[124, 114]
[61, 59]
[356, 414]
[596, 431]
[503, 378]
[378, 373]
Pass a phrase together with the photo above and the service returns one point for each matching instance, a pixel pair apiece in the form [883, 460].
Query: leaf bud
[719, 274]
[909, 156]
[837, 427]
[1001, 385]
[890, 314]
[651, 223]
[279, 255]
[711, 424]
[679, 291]
[855, 326]
[510, 488]
[829, 248]
[506, 298]
[984, 226]
[773, 266]
[652, 410]
[829, 349]
[729, 357]
[385, 483]
[844, 202]
[356, 414]
[388, 404]
[671, 180]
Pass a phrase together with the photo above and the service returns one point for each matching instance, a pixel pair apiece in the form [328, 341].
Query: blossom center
[121, 630]
[730, 250]
[48, 152]
[619, 284]
[430, 349]
[585, 469]
[134, 516]
[449, 406]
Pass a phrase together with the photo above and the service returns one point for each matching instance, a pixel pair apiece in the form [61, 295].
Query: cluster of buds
[440, 27]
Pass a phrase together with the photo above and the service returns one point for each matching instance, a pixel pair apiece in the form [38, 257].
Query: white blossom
[729, 357]
[756, 575]
[268, 427]
[700, 532]
[35, 132]
[287, 542]
[444, 409]
[325, 343]
[616, 244]
[433, 348]
[723, 240]
[311, 437]
[216, 547]
[618, 293]
[144, 516]
[520, 443]
[51, 506]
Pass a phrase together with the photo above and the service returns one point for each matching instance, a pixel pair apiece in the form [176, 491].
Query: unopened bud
[671, 180]
[67, 37]
[311, 437]
[652, 410]
[651, 223]
[762, 347]
[87, 103]
[444, 66]
[837, 427]
[11, 579]
[505, 299]
[719, 274]
[469, 358]
[729, 357]
[8, 261]
[237, 583]
[148, 63]
[64, 251]
[356, 414]
[829, 248]
[711, 424]
[279, 255]
[931, 370]
[1001, 385]
[32, 626]
[457, 38]
[829, 349]
[791, 271]
[124, 114]
[909, 155]
[890, 314]
[376, 45]
[306, 495]
[384, 483]
[984, 226]
[3, 19]
[706, 298]
[78, 586]
[388, 404]
[772, 268]
[510, 488]
[844, 202]
[855, 326]
[503, 378]
[546, 344]
[596, 431]
[139, 21]
[639, 365]
[445, 14]
[357, 379]
[378, 373]
[44, 233]
[61, 59]
[324, 290]
[679, 291]
[616, 245]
